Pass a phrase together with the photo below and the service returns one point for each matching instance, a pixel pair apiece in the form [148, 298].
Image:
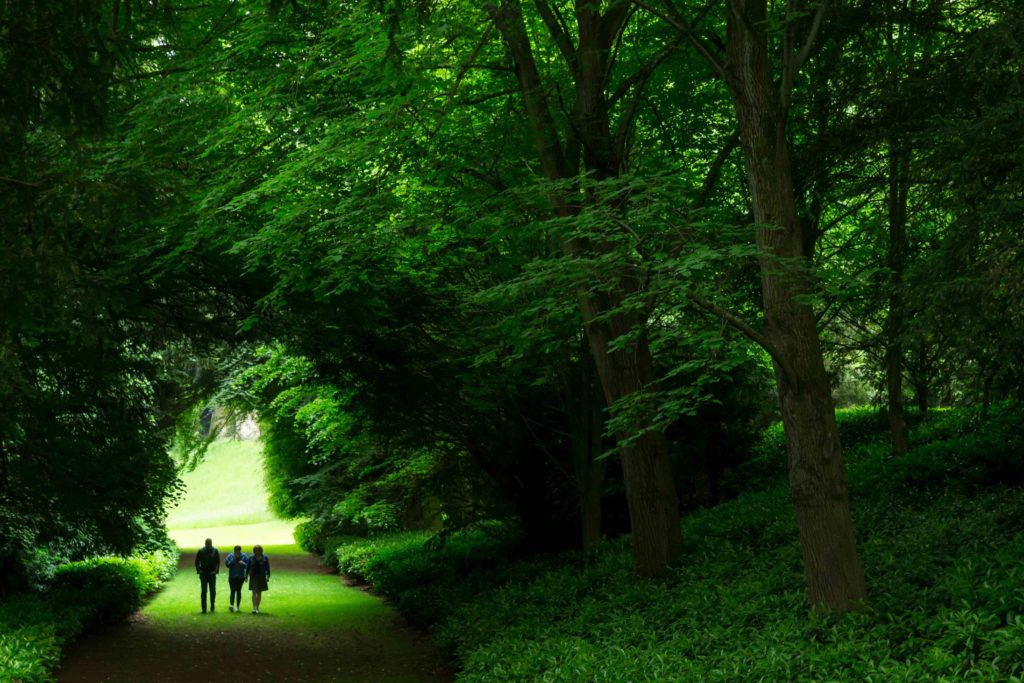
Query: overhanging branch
[746, 330]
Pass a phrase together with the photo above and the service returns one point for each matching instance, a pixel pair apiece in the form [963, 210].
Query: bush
[111, 588]
[941, 541]
[34, 627]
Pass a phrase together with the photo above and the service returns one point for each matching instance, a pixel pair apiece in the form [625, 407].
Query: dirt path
[313, 629]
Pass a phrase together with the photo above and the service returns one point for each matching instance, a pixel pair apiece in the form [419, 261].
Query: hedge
[34, 627]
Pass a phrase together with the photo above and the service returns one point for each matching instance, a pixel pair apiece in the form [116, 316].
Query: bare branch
[640, 76]
[637, 81]
[812, 34]
[485, 98]
[461, 75]
[15, 181]
[792, 64]
[715, 171]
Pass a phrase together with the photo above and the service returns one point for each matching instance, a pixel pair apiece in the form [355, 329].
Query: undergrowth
[35, 626]
[941, 536]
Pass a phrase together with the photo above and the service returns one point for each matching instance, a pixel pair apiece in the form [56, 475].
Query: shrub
[111, 588]
[34, 626]
[940, 538]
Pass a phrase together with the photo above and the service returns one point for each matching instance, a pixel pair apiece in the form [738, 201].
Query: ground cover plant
[943, 543]
[35, 627]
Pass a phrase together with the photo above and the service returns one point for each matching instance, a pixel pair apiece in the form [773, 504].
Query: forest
[612, 340]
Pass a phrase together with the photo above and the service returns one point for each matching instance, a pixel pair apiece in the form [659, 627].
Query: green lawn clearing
[311, 626]
[226, 500]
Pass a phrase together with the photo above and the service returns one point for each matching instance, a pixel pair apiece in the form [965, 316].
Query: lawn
[226, 500]
[311, 626]
[306, 601]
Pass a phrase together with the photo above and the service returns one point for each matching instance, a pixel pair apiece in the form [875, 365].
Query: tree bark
[921, 391]
[629, 370]
[817, 474]
[586, 421]
[899, 187]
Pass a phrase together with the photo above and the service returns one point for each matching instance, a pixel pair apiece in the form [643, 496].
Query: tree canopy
[552, 262]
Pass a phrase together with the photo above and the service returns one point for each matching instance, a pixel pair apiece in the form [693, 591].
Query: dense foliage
[941, 544]
[103, 333]
[545, 266]
[34, 627]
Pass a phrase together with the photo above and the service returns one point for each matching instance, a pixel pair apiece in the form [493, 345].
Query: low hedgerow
[941, 535]
[35, 626]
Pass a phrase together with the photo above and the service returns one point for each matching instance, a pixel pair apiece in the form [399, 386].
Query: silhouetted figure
[237, 564]
[207, 567]
[205, 421]
[258, 574]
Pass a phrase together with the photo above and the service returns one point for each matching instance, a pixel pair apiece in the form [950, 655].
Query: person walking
[258, 573]
[236, 562]
[207, 567]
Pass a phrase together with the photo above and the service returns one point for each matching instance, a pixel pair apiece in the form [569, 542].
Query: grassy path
[311, 627]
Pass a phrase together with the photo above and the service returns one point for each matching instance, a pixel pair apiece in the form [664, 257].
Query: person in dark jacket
[258, 573]
[236, 562]
[207, 567]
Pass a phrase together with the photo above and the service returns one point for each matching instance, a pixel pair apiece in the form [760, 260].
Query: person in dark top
[207, 567]
[258, 573]
[236, 562]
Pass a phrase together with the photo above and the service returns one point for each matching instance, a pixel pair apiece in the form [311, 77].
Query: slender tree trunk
[628, 371]
[817, 474]
[646, 469]
[899, 186]
[587, 430]
[919, 375]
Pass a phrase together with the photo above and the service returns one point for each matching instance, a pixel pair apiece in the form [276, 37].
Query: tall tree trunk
[586, 425]
[627, 371]
[817, 474]
[899, 187]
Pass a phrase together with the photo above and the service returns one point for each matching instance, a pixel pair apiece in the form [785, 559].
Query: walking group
[242, 568]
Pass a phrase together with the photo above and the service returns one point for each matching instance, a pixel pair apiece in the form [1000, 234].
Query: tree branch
[793, 63]
[508, 18]
[558, 33]
[687, 31]
[485, 98]
[715, 171]
[25, 183]
[637, 81]
[746, 330]
[641, 75]
[461, 75]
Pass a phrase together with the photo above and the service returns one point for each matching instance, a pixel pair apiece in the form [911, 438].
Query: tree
[589, 148]
[761, 100]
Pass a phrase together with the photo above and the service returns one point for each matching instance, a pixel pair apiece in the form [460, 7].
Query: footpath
[311, 628]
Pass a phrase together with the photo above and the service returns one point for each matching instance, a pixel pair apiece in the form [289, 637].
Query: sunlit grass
[277, 532]
[226, 489]
[226, 500]
[298, 601]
